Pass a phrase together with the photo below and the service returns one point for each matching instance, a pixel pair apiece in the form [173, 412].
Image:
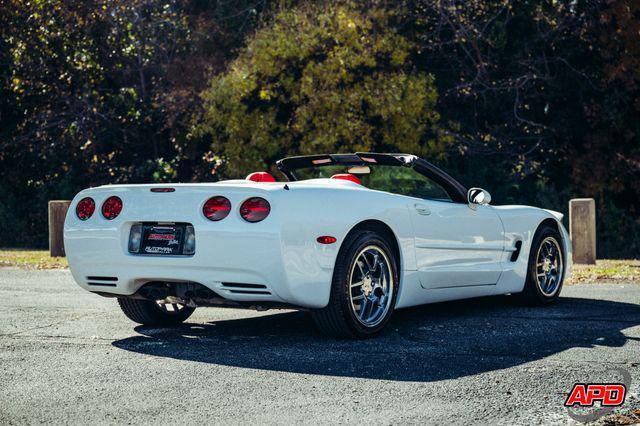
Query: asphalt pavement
[68, 356]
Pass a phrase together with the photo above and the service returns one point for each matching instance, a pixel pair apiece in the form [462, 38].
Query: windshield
[394, 179]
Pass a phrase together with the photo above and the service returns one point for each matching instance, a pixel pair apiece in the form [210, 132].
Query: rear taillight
[255, 209]
[85, 208]
[111, 207]
[216, 208]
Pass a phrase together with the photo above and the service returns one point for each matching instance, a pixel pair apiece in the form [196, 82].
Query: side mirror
[478, 196]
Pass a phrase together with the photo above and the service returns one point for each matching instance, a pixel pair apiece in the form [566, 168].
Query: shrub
[321, 80]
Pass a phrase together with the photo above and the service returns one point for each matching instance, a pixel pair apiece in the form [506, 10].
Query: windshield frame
[456, 191]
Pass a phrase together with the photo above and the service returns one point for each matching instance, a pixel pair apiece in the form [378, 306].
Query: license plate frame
[162, 240]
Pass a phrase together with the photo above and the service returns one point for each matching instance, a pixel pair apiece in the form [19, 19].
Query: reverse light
[135, 238]
[85, 208]
[255, 209]
[326, 239]
[111, 207]
[189, 240]
[216, 208]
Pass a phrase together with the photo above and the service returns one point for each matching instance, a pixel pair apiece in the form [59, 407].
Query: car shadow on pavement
[428, 343]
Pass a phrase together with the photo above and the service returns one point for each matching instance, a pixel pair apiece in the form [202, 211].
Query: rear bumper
[231, 252]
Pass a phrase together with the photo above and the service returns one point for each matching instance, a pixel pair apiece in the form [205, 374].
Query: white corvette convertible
[349, 237]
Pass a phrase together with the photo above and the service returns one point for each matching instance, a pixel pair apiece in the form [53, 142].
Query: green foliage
[545, 100]
[103, 92]
[321, 80]
[536, 101]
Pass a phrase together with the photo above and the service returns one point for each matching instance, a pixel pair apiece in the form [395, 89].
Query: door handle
[422, 209]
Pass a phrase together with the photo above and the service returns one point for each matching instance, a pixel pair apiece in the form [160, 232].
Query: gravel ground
[68, 356]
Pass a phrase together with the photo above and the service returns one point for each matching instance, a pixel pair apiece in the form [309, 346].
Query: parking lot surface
[68, 356]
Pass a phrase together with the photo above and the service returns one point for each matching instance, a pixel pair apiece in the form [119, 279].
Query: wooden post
[57, 212]
[582, 225]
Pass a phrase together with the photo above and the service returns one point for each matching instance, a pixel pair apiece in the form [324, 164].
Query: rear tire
[364, 288]
[545, 273]
[148, 312]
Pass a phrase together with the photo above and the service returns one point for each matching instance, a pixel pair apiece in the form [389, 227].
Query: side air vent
[516, 252]
[246, 288]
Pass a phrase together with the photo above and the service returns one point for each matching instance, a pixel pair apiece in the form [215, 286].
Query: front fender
[521, 223]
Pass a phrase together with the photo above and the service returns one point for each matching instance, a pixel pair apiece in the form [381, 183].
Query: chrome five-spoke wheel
[371, 286]
[549, 266]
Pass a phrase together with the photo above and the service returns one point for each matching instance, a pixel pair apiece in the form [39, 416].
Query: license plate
[162, 239]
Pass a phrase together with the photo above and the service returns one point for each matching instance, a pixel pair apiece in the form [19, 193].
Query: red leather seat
[347, 176]
[261, 177]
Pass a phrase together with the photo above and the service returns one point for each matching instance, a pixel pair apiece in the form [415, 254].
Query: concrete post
[57, 212]
[582, 226]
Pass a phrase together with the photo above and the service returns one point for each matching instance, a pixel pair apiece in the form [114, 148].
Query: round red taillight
[85, 208]
[255, 209]
[216, 208]
[111, 207]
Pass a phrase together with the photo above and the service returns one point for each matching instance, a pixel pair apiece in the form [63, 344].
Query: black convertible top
[455, 189]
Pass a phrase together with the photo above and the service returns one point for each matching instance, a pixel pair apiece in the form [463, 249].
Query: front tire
[363, 290]
[148, 312]
[545, 273]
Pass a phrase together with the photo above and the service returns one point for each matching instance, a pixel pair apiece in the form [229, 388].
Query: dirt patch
[607, 271]
[31, 259]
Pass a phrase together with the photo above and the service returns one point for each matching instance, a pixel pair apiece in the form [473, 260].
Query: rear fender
[313, 212]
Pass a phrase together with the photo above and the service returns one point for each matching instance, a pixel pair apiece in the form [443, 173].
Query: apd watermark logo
[587, 402]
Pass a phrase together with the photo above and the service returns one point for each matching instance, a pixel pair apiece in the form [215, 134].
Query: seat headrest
[261, 177]
[347, 176]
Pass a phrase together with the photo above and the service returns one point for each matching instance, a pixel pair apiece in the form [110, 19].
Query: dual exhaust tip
[161, 291]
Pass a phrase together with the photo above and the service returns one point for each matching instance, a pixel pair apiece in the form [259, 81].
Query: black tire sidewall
[147, 312]
[348, 260]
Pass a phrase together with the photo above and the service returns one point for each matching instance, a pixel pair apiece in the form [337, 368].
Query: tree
[606, 163]
[321, 79]
[103, 92]
[544, 100]
[536, 100]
